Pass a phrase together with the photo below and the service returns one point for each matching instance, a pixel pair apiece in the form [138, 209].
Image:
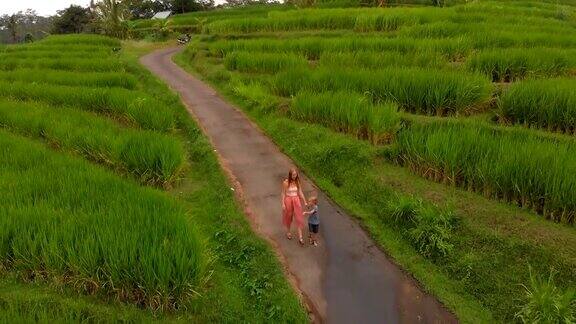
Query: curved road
[347, 279]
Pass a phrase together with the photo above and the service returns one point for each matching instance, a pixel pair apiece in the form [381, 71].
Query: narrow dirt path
[347, 279]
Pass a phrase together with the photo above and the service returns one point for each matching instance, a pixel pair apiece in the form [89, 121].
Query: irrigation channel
[347, 279]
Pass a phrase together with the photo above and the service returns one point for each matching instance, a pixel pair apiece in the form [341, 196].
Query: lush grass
[47, 311]
[521, 8]
[513, 64]
[372, 60]
[361, 20]
[62, 53]
[549, 104]
[133, 106]
[389, 19]
[430, 92]
[70, 220]
[81, 39]
[71, 78]
[36, 303]
[475, 26]
[65, 49]
[504, 39]
[151, 157]
[66, 64]
[546, 303]
[539, 177]
[236, 17]
[314, 46]
[349, 113]
[263, 62]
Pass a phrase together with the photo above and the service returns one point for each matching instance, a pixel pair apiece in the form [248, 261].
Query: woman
[291, 205]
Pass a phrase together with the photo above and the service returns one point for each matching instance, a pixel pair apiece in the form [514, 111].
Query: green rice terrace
[447, 132]
[113, 193]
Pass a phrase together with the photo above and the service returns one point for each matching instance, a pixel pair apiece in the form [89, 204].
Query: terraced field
[113, 206]
[449, 132]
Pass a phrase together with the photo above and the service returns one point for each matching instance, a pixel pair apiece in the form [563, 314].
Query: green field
[449, 132]
[114, 207]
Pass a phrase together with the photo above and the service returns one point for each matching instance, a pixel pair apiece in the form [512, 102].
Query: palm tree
[200, 23]
[113, 17]
[164, 27]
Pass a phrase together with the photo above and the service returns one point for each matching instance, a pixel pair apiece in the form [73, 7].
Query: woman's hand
[283, 207]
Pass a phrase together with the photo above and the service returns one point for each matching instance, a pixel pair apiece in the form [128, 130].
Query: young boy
[313, 221]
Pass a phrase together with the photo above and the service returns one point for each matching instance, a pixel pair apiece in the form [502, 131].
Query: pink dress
[293, 208]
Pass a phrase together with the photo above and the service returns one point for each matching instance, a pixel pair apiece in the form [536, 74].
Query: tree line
[111, 17]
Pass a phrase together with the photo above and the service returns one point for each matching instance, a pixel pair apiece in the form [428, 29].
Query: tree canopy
[73, 19]
[143, 9]
[14, 27]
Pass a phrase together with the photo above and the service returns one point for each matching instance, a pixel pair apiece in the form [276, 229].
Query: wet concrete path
[346, 279]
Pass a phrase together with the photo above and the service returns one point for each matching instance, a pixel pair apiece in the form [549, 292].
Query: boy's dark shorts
[313, 228]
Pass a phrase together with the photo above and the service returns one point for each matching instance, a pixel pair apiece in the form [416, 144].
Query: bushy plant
[404, 209]
[545, 303]
[432, 231]
[428, 227]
